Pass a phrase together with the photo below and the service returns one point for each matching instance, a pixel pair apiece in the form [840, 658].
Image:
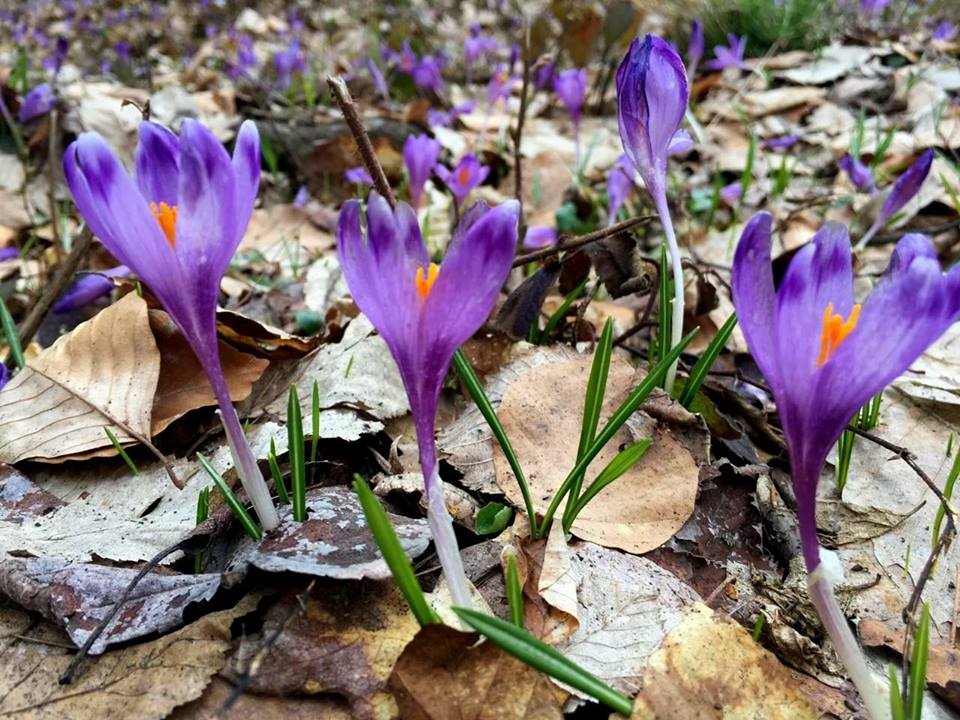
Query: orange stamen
[463, 176]
[425, 280]
[167, 217]
[835, 331]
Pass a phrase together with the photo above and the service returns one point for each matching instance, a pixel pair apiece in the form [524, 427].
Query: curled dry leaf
[334, 541]
[79, 596]
[103, 373]
[344, 642]
[444, 675]
[641, 510]
[145, 681]
[709, 666]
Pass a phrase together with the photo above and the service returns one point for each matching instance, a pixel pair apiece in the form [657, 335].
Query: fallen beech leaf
[444, 675]
[334, 541]
[144, 681]
[21, 500]
[259, 338]
[344, 642]
[543, 410]
[249, 705]
[710, 667]
[78, 597]
[102, 373]
[182, 385]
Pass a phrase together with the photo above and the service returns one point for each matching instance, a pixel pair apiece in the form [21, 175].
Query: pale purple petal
[156, 162]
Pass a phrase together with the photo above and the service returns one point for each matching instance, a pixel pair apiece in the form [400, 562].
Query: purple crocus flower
[543, 76]
[88, 288]
[176, 224]
[619, 187]
[781, 142]
[302, 197]
[873, 7]
[38, 101]
[427, 75]
[651, 103]
[903, 191]
[944, 31]
[861, 177]
[729, 56]
[53, 62]
[476, 46]
[288, 61]
[500, 85]
[122, 48]
[571, 86]
[425, 312]
[731, 193]
[539, 236]
[420, 153]
[4, 375]
[467, 174]
[695, 48]
[8, 253]
[824, 356]
[358, 175]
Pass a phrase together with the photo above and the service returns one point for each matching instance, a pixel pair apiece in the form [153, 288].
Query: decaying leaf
[345, 642]
[103, 373]
[79, 596]
[710, 667]
[144, 681]
[250, 705]
[334, 541]
[543, 409]
[444, 675]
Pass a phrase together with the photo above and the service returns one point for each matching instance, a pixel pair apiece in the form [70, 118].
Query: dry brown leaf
[542, 414]
[143, 681]
[345, 642]
[259, 338]
[763, 103]
[710, 668]
[182, 385]
[249, 705]
[103, 373]
[444, 675]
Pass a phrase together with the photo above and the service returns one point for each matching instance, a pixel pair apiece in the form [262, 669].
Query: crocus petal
[208, 226]
[680, 142]
[88, 288]
[860, 175]
[539, 236]
[246, 167]
[474, 269]
[156, 163]
[820, 274]
[906, 186]
[111, 205]
[754, 294]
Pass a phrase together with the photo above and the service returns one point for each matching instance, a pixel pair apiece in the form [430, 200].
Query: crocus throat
[167, 217]
[835, 331]
[463, 177]
[425, 280]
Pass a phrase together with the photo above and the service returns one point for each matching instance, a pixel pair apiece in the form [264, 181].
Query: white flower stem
[676, 327]
[821, 593]
[867, 236]
[445, 541]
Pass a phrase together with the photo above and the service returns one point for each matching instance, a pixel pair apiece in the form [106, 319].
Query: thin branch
[53, 155]
[572, 242]
[342, 95]
[932, 230]
[518, 135]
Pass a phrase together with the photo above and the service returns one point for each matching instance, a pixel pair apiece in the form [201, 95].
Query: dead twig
[572, 242]
[342, 95]
[254, 665]
[518, 135]
[53, 153]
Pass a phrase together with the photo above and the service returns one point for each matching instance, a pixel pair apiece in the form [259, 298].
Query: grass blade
[295, 447]
[561, 312]
[624, 460]
[203, 512]
[514, 592]
[897, 711]
[396, 559]
[918, 666]
[703, 366]
[664, 316]
[948, 494]
[10, 333]
[592, 405]
[277, 476]
[540, 656]
[239, 511]
[475, 388]
[119, 448]
[636, 397]
[314, 427]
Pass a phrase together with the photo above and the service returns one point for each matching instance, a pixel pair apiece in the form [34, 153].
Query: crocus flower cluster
[176, 224]
[424, 313]
[420, 154]
[903, 191]
[651, 102]
[465, 176]
[732, 56]
[824, 355]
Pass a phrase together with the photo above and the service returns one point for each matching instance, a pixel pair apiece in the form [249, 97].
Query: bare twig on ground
[342, 95]
[568, 242]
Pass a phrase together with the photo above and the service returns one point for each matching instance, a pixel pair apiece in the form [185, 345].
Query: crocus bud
[570, 86]
[859, 174]
[539, 236]
[420, 153]
[695, 48]
[38, 101]
[907, 186]
[652, 100]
